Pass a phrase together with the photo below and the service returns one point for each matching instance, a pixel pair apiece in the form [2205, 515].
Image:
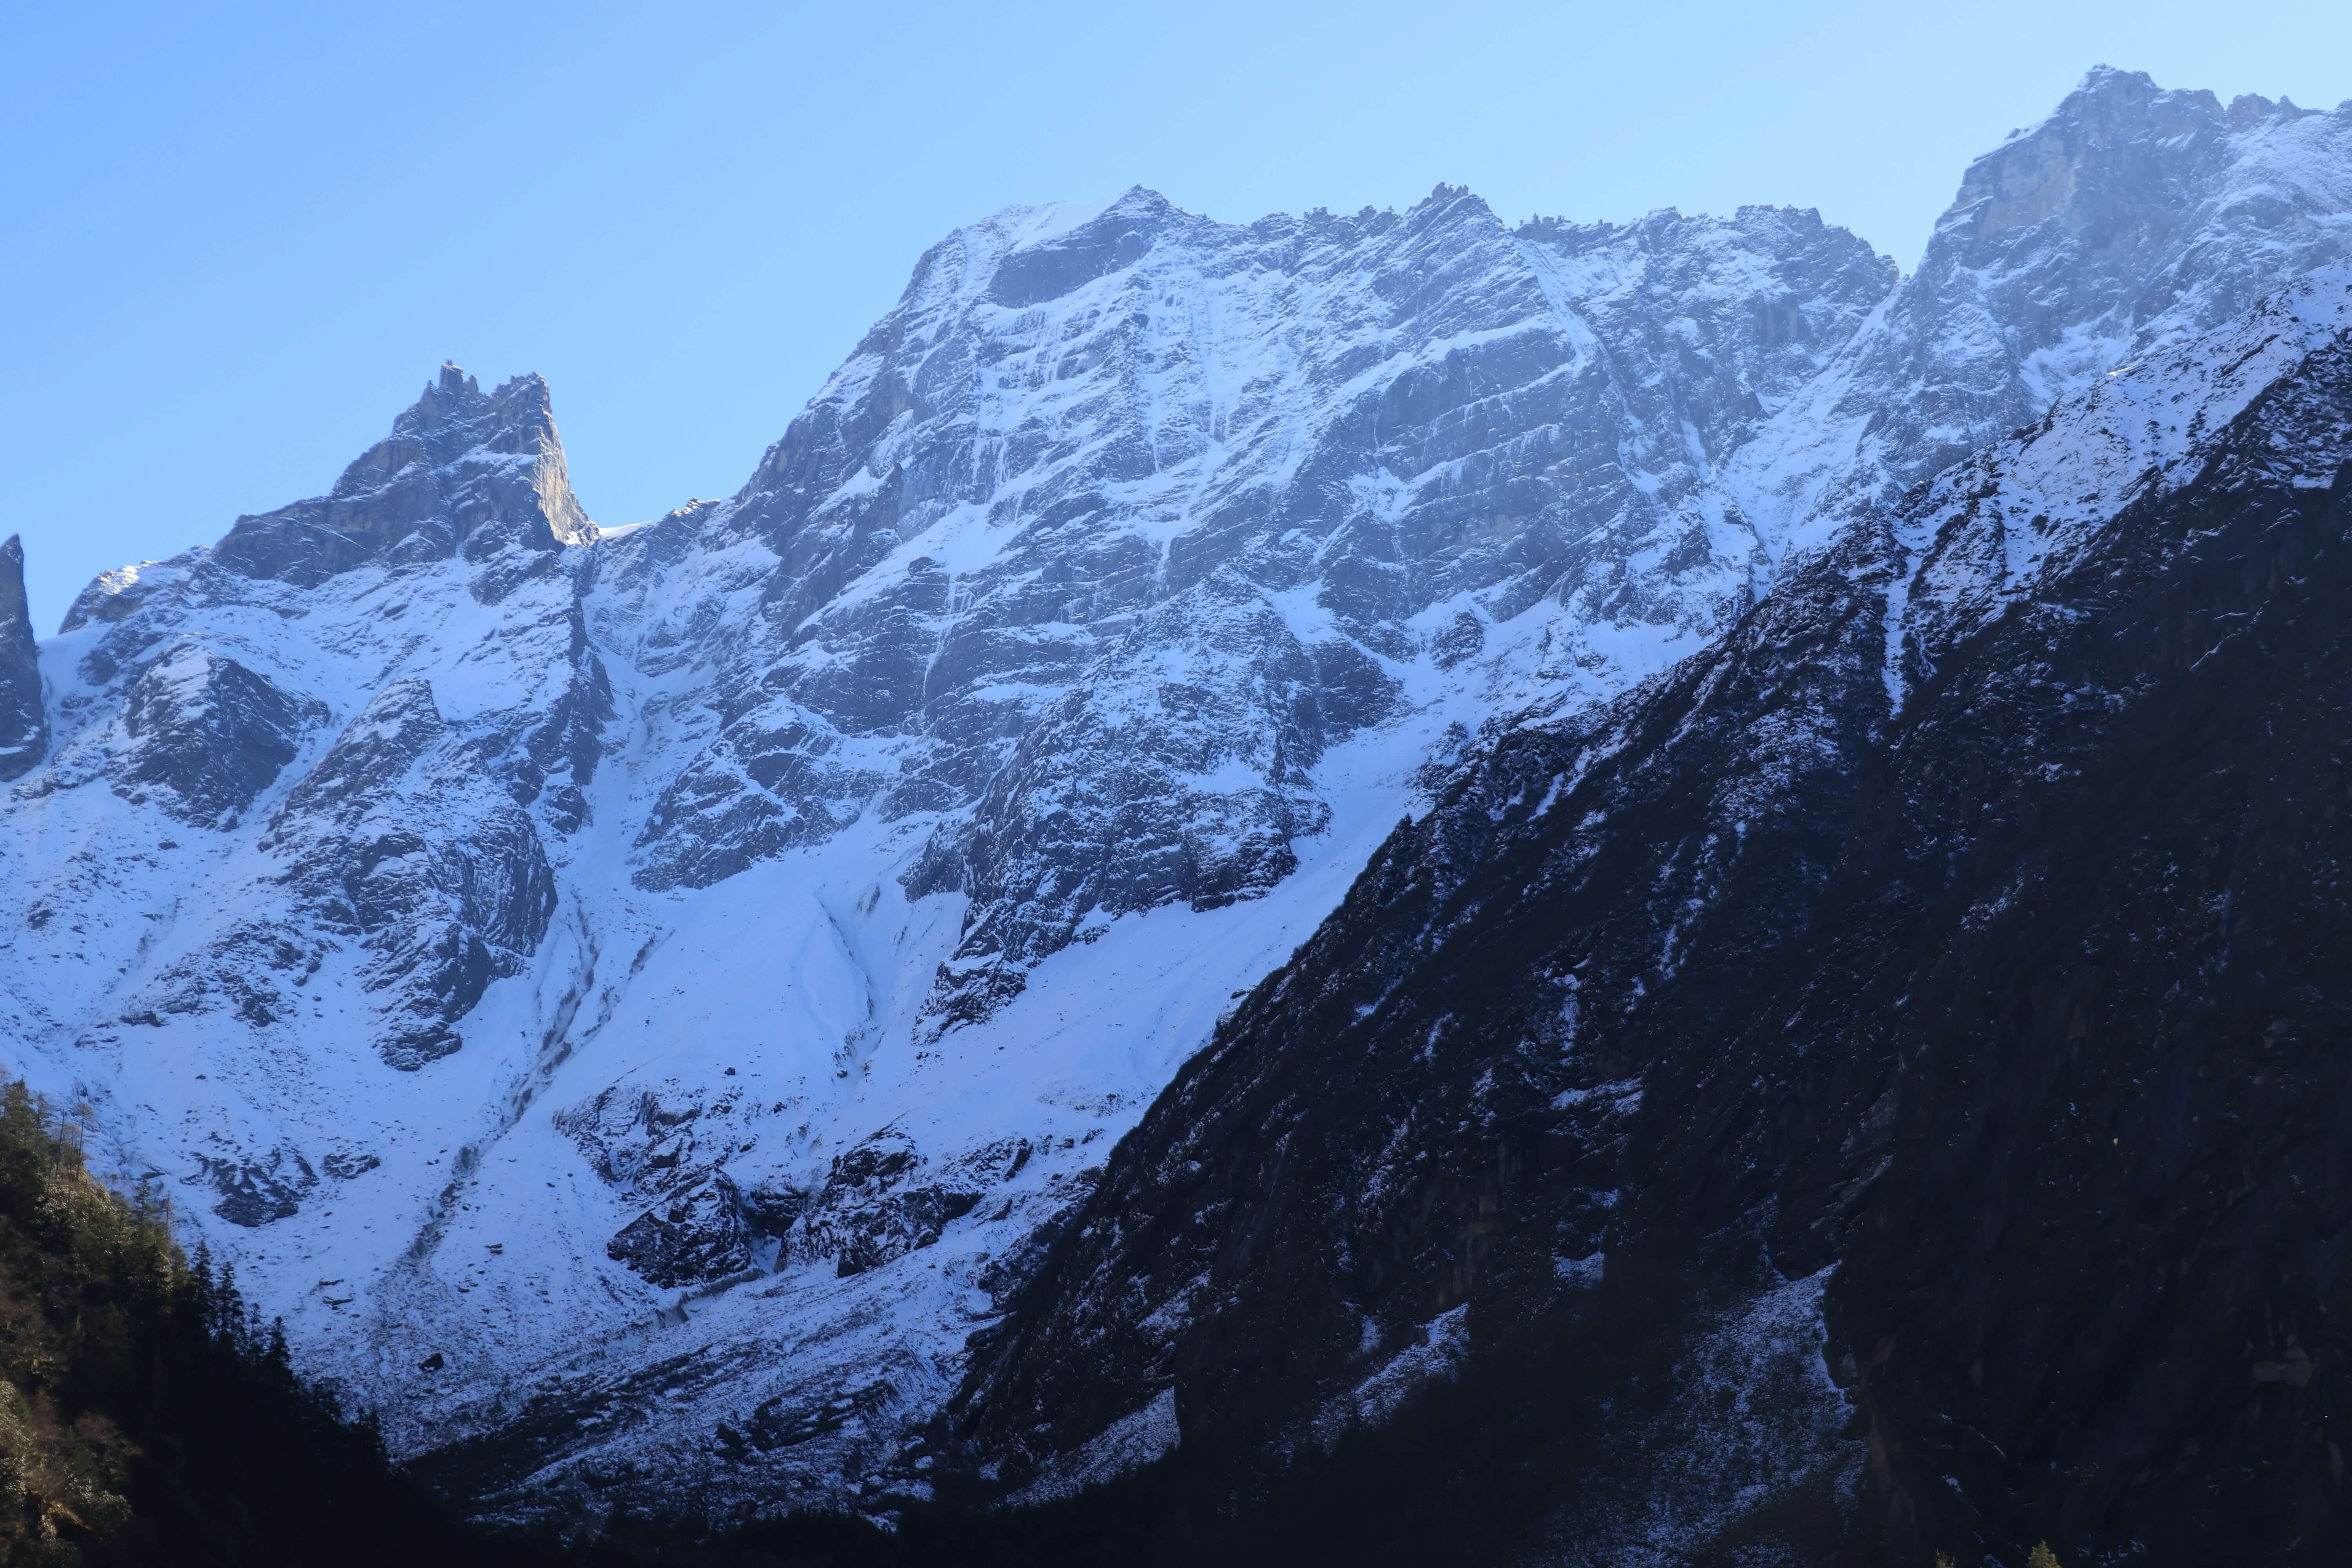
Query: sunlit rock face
[1125, 516]
[460, 473]
[636, 999]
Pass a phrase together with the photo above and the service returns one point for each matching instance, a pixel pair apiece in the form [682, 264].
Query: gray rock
[254, 973]
[667, 1150]
[883, 1198]
[461, 473]
[395, 839]
[255, 1191]
[1119, 800]
[2131, 219]
[203, 735]
[1187, 593]
[700, 1233]
[24, 717]
[344, 1164]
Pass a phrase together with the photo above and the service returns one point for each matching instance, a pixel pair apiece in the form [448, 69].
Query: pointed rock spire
[23, 721]
[2119, 155]
[462, 471]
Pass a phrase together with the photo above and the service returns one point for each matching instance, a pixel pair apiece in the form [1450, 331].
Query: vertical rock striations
[461, 473]
[23, 719]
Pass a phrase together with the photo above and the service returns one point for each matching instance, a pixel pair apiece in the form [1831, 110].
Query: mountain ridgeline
[1376, 883]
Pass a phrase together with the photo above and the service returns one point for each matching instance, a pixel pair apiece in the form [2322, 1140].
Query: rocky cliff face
[24, 720]
[205, 735]
[461, 474]
[1125, 516]
[2130, 220]
[638, 999]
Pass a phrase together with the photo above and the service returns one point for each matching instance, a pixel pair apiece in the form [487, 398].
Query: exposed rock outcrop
[203, 735]
[461, 474]
[394, 841]
[24, 717]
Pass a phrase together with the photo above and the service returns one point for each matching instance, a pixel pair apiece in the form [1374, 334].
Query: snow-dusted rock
[2130, 219]
[396, 840]
[206, 735]
[1126, 489]
[23, 719]
[460, 474]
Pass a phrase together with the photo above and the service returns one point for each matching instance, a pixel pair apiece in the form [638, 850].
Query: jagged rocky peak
[1740, 312]
[1006, 378]
[24, 716]
[2133, 217]
[382, 699]
[1124, 517]
[2113, 143]
[462, 472]
[2153, 193]
[1133, 560]
[1119, 238]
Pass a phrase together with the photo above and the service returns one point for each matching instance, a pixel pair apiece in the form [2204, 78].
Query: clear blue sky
[239, 238]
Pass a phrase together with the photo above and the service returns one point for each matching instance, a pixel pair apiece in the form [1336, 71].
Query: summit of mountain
[2132, 218]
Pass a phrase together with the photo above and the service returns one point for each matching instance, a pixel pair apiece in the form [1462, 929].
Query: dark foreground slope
[146, 1419]
[1965, 934]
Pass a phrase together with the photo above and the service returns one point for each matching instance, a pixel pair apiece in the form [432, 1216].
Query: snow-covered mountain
[637, 999]
[2128, 221]
[1952, 892]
